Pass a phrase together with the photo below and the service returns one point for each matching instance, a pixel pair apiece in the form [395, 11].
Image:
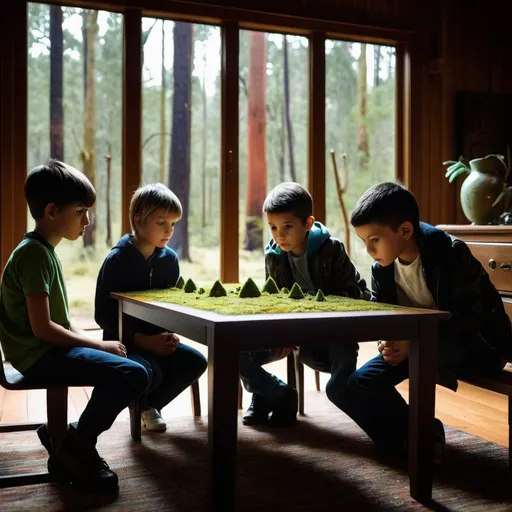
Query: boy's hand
[281, 352]
[394, 352]
[114, 347]
[163, 344]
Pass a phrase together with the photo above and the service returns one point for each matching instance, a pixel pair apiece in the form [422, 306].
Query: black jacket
[459, 284]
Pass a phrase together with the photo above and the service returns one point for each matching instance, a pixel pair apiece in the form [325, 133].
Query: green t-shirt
[32, 268]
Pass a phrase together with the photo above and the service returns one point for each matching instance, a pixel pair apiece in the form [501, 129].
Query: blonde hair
[147, 199]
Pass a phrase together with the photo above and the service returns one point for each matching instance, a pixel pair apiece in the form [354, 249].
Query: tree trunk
[205, 134]
[289, 128]
[179, 164]
[108, 160]
[376, 67]
[362, 97]
[256, 135]
[90, 19]
[282, 149]
[56, 70]
[162, 109]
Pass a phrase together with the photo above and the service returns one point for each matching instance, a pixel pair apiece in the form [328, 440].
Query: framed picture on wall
[484, 124]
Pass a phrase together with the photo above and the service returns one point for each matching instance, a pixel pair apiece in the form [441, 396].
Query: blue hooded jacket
[125, 269]
[329, 266]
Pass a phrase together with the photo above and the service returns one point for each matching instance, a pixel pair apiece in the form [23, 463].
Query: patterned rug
[324, 463]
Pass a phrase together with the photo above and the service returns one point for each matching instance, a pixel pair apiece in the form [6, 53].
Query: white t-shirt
[411, 286]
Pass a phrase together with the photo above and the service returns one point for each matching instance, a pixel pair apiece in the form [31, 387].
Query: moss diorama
[240, 299]
[181, 283]
[190, 286]
[270, 286]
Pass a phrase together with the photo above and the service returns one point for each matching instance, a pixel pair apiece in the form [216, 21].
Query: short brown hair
[147, 199]
[58, 183]
[289, 197]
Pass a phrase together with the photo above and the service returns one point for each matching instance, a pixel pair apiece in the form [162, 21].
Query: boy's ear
[309, 222]
[407, 230]
[50, 211]
[136, 220]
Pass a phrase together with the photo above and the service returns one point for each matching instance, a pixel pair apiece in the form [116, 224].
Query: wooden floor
[474, 410]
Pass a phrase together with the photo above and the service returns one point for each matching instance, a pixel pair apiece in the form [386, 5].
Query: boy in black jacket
[302, 251]
[420, 266]
[140, 262]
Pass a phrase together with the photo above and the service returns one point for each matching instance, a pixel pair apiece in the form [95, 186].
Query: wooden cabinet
[492, 246]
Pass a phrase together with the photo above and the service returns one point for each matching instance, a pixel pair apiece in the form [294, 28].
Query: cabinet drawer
[497, 261]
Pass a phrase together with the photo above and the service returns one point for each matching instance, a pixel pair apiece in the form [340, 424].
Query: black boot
[76, 460]
[284, 410]
[44, 437]
[257, 413]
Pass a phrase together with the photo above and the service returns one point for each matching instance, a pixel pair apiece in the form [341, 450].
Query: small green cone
[201, 290]
[190, 286]
[217, 290]
[285, 290]
[270, 286]
[320, 297]
[181, 283]
[249, 289]
[296, 292]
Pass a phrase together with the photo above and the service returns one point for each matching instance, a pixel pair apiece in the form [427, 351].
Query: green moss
[201, 290]
[320, 297]
[190, 286]
[270, 286]
[285, 290]
[296, 292]
[231, 304]
[249, 289]
[181, 283]
[217, 290]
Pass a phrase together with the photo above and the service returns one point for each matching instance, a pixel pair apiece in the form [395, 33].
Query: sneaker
[257, 413]
[76, 460]
[284, 411]
[152, 420]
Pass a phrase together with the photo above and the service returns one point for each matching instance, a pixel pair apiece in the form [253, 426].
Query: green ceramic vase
[481, 188]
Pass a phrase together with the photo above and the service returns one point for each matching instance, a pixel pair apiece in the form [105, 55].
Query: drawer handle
[492, 264]
[505, 266]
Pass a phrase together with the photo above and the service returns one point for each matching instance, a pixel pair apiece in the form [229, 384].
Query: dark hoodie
[126, 270]
[329, 266]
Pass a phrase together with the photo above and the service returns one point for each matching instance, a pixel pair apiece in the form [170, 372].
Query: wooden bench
[501, 384]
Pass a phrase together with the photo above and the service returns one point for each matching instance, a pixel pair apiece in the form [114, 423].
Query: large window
[360, 129]
[74, 114]
[181, 134]
[273, 132]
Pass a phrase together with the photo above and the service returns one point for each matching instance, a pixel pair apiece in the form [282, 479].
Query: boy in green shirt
[37, 336]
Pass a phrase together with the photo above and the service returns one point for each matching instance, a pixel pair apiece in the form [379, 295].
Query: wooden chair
[501, 384]
[57, 413]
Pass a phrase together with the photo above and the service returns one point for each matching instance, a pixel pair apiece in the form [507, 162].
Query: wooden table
[227, 335]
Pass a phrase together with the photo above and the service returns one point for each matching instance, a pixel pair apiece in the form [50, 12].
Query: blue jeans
[169, 375]
[257, 380]
[116, 381]
[338, 359]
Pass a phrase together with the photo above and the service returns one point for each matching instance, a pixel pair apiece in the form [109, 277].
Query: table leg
[422, 397]
[222, 419]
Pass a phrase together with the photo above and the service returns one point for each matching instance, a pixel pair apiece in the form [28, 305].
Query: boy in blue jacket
[140, 262]
[301, 251]
[421, 266]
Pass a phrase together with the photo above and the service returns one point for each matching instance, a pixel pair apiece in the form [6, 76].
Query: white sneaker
[152, 420]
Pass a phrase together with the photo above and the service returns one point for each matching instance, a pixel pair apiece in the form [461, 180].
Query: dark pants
[339, 359]
[169, 375]
[116, 381]
[373, 402]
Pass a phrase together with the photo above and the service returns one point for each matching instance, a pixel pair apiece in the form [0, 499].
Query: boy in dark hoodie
[421, 266]
[139, 262]
[302, 251]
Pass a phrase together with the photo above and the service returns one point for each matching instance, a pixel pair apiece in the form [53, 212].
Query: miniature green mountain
[320, 297]
[217, 290]
[270, 286]
[190, 286]
[296, 292]
[285, 290]
[180, 283]
[249, 289]
[201, 290]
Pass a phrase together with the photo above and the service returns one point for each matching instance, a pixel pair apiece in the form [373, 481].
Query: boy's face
[289, 232]
[70, 221]
[156, 229]
[382, 243]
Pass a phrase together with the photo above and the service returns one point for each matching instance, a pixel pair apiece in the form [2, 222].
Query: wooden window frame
[13, 58]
